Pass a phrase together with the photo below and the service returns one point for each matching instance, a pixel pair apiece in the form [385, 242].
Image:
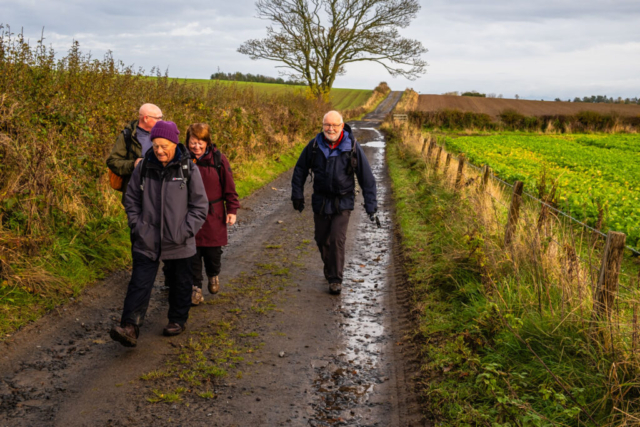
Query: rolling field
[342, 99]
[590, 169]
[494, 106]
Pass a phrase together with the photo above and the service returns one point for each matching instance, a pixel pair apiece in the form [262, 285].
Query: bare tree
[316, 39]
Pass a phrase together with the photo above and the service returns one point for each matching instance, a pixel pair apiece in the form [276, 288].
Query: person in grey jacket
[166, 205]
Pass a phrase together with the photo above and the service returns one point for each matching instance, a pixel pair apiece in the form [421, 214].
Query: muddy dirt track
[272, 348]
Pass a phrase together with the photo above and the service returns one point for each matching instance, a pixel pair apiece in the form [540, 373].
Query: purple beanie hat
[167, 130]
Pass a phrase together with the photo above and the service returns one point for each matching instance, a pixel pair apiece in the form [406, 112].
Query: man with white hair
[335, 159]
[132, 144]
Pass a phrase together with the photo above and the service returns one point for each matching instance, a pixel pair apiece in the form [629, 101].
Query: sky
[537, 49]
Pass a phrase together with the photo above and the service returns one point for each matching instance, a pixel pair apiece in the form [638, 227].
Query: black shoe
[126, 335]
[335, 288]
[173, 329]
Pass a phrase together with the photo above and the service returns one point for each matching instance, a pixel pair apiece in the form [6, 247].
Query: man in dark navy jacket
[335, 159]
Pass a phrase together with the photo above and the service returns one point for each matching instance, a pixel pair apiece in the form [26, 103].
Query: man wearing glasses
[335, 159]
[132, 143]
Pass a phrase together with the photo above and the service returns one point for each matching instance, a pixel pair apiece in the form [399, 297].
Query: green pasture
[591, 170]
[342, 99]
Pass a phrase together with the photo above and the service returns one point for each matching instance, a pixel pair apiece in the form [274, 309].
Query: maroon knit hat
[167, 130]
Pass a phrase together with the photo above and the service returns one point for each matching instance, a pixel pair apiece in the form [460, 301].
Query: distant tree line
[259, 78]
[596, 99]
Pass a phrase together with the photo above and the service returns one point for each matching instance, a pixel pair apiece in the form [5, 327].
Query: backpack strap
[128, 140]
[143, 172]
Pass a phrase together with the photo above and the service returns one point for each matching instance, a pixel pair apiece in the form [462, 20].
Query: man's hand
[372, 216]
[298, 205]
[138, 160]
[231, 219]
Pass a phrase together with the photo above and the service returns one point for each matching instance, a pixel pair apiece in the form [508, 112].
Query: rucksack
[116, 180]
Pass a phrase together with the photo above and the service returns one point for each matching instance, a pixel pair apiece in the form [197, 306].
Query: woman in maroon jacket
[223, 206]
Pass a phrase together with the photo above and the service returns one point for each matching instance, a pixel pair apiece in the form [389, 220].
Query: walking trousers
[177, 277]
[212, 263]
[331, 236]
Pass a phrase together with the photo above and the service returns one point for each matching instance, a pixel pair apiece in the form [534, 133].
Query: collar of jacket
[133, 127]
[345, 145]
[207, 157]
[181, 150]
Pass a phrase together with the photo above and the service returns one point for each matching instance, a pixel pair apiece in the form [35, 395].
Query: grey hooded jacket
[167, 214]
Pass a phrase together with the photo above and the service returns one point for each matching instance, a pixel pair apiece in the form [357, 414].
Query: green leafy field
[342, 99]
[590, 169]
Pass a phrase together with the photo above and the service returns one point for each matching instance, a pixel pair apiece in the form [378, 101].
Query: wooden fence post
[438, 155]
[432, 144]
[424, 143]
[514, 212]
[460, 174]
[607, 287]
[446, 163]
[486, 173]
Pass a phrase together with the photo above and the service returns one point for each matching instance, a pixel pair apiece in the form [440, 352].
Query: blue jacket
[334, 181]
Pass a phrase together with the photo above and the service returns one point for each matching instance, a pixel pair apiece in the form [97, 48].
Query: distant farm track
[494, 106]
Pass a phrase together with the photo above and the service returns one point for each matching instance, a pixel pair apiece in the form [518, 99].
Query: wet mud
[272, 348]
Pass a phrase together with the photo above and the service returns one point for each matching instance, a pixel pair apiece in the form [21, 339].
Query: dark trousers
[212, 263]
[331, 236]
[177, 277]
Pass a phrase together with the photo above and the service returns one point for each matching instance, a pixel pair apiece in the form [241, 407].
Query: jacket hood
[181, 151]
[345, 145]
[207, 158]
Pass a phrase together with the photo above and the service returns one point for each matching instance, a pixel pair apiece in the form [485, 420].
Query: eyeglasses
[328, 126]
[155, 118]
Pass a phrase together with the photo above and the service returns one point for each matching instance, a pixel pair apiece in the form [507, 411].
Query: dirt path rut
[272, 348]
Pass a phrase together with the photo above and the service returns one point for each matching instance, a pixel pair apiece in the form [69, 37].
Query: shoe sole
[172, 334]
[125, 341]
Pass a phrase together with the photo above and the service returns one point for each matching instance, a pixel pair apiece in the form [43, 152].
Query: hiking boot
[173, 329]
[214, 285]
[196, 296]
[335, 288]
[125, 335]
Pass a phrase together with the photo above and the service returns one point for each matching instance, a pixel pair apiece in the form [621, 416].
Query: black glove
[372, 216]
[298, 204]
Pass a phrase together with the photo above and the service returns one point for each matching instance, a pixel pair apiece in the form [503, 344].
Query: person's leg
[139, 290]
[180, 289]
[212, 263]
[196, 266]
[321, 235]
[212, 260]
[336, 246]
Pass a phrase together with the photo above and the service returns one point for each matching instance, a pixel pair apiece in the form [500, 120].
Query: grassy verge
[493, 352]
[80, 259]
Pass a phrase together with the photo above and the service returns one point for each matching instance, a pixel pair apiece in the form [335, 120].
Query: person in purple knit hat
[166, 204]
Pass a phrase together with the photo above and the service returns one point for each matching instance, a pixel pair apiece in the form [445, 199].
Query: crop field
[494, 106]
[590, 170]
[342, 99]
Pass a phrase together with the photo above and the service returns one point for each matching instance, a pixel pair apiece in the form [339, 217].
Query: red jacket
[214, 230]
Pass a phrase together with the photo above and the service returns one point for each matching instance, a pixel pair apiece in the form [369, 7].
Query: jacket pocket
[180, 235]
[146, 235]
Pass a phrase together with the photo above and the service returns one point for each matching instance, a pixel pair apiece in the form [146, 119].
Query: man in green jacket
[132, 143]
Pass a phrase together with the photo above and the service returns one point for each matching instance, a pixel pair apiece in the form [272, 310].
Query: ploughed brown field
[494, 106]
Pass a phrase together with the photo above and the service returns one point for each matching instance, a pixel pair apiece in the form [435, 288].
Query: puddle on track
[344, 383]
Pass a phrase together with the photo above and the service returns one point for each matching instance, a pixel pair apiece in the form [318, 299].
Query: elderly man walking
[166, 204]
[335, 159]
[133, 143]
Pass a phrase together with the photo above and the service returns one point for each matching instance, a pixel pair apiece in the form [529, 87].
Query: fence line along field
[341, 99]
[598, 175]
[495, 106]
